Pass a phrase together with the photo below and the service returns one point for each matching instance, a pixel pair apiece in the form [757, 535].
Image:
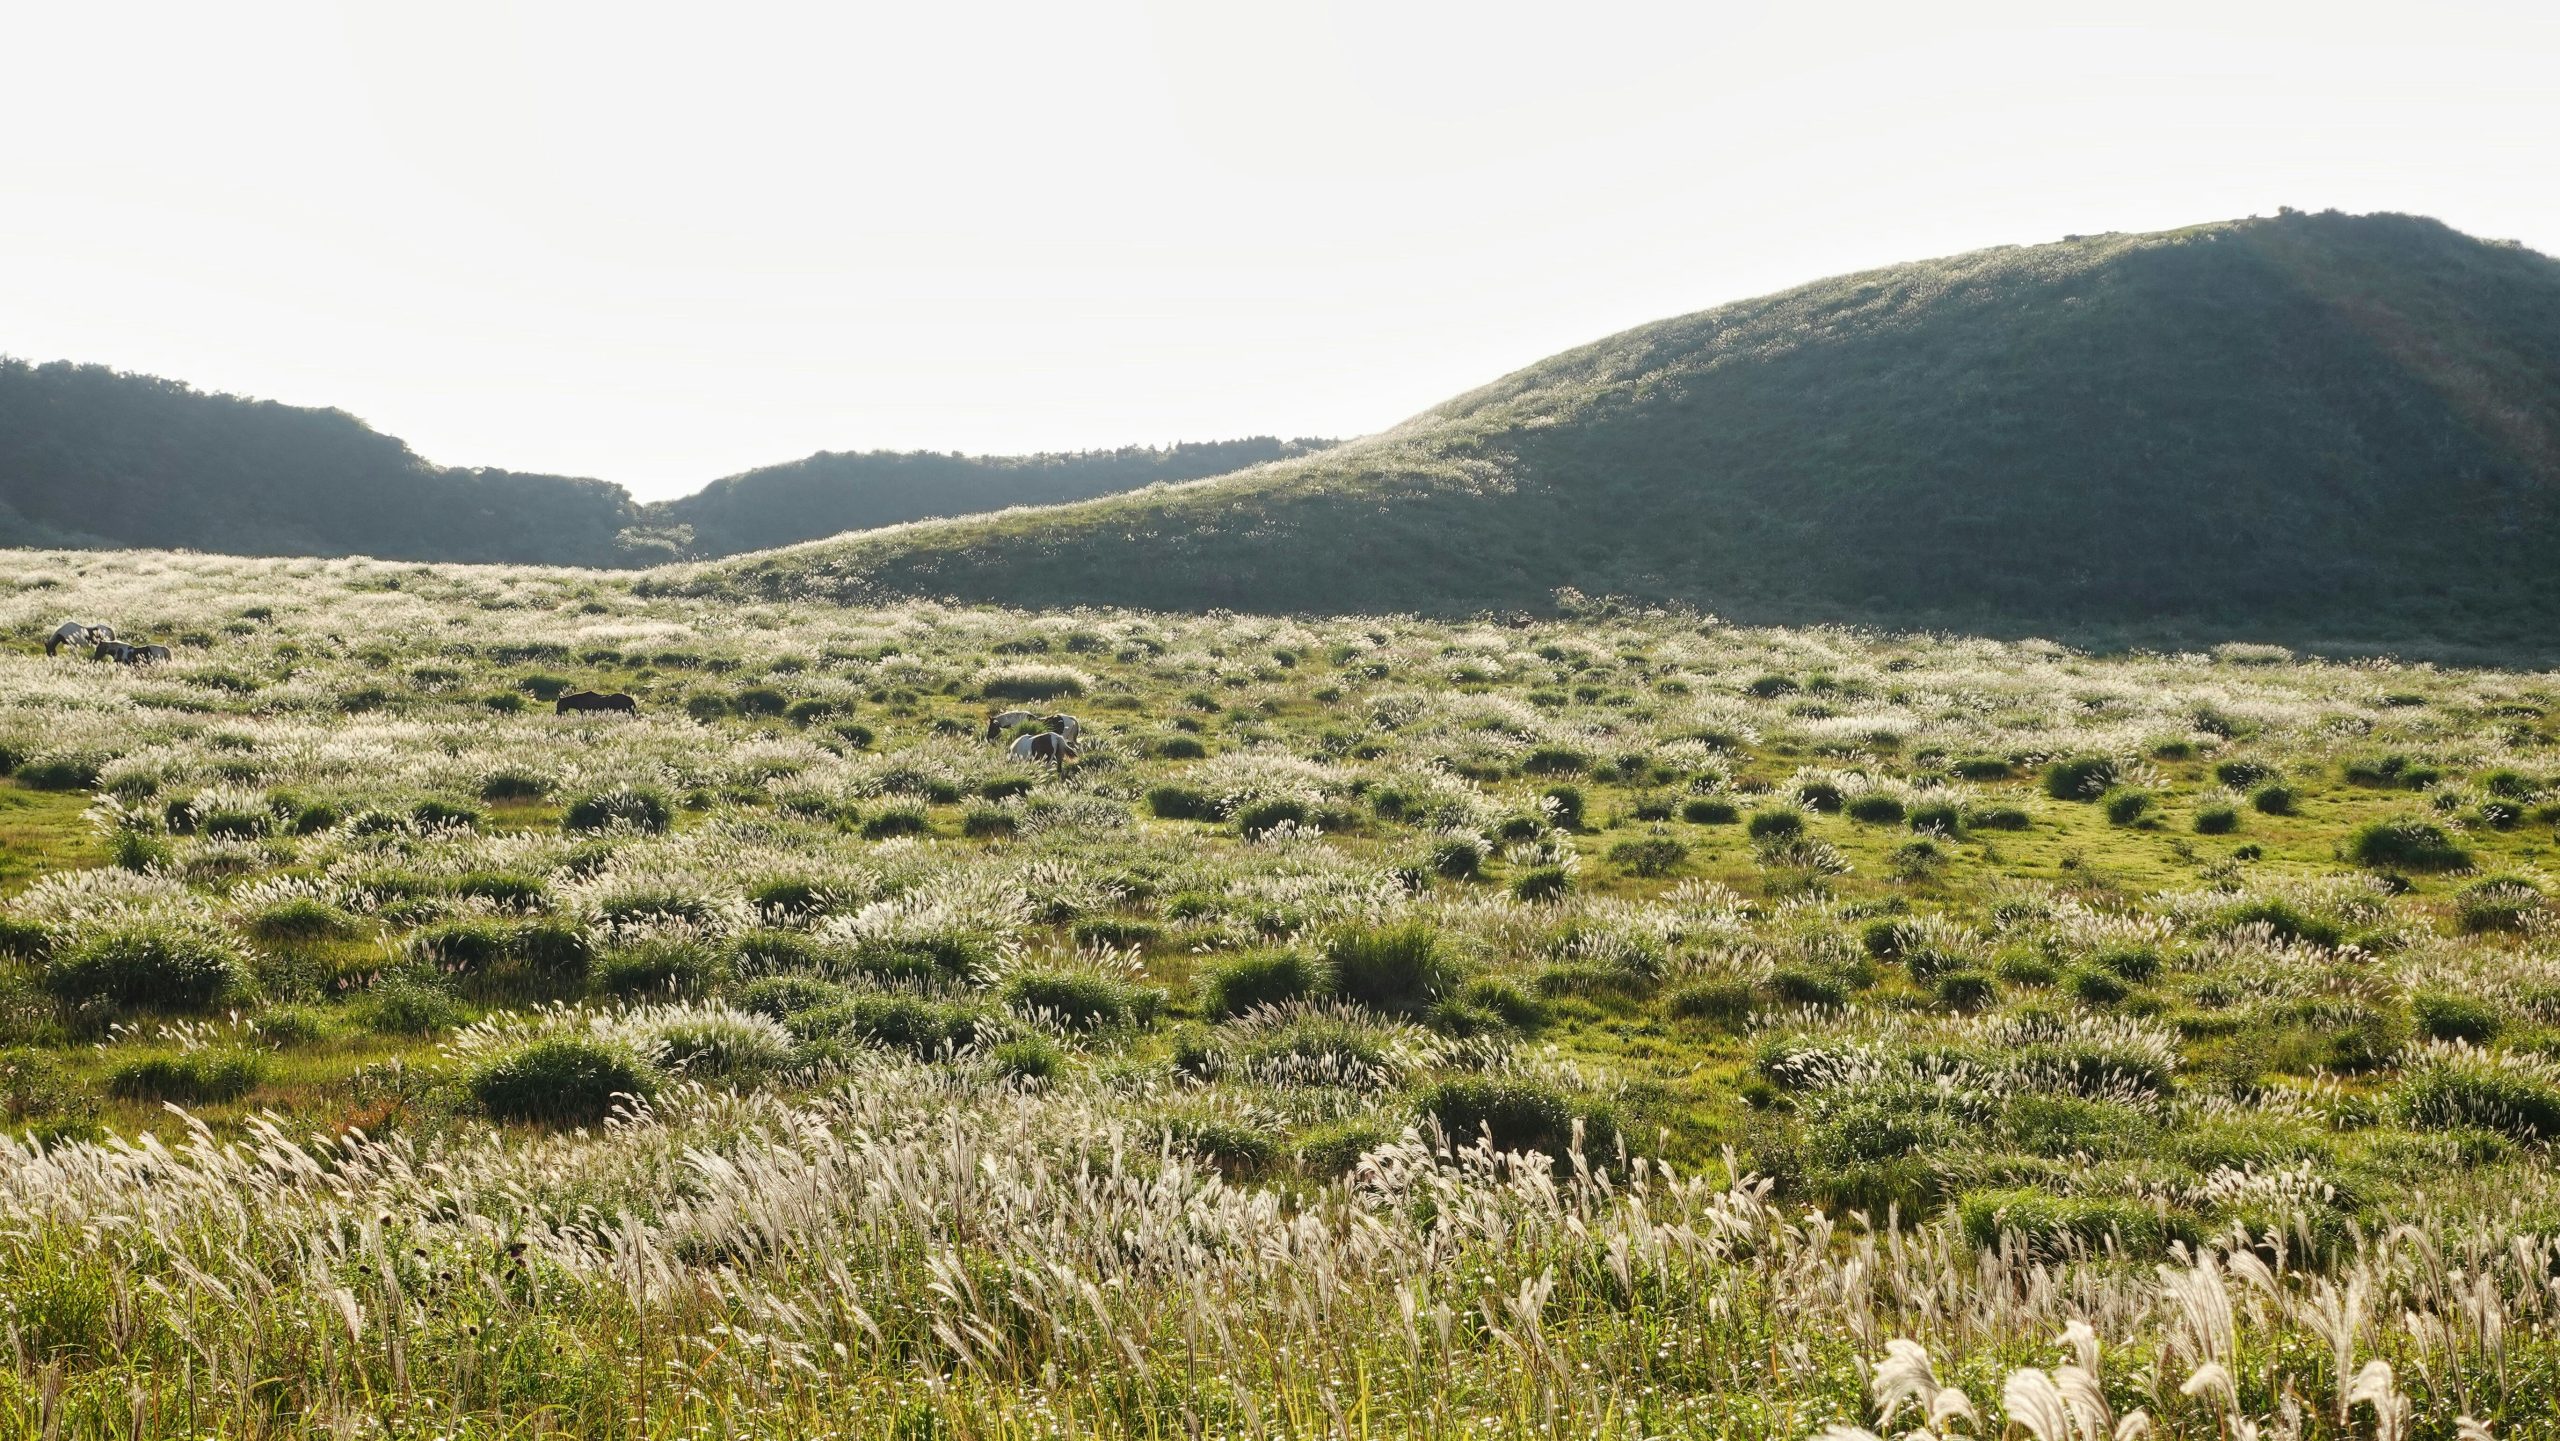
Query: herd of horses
[1054, 741]
[103, 644]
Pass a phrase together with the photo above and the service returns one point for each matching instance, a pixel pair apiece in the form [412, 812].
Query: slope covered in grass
[101, 458]
[2321, 426]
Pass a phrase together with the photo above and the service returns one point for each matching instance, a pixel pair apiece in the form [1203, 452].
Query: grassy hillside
[1617, 1028]
[2318, 425]
[100, 458]
[832, 491]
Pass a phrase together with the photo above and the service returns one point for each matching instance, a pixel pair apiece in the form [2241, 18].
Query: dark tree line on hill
[94, 457]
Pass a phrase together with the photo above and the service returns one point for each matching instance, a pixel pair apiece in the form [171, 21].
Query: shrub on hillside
[1520, 1115]
[189, 1078]
[1775, 825]
[642, 808]
[2408, 844]
[148, 967]
[1396, 969]
[2080, 778]
[1244, 982]
[560, 1081]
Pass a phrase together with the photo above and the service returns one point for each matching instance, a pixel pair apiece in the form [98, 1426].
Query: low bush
[407, 1006]
[1775, 825]
[1707, 811]
[1998, 818]
[1180, 803]
[301, 919]
[2273, 800]
[1396, 969]
[1084, 1000]
[1261, 817]
[1029, 1058]
[1650, 856]
[2080, 778]
[2408, 844]
[1541, 883]
[148, 968]
[1240, 983]
[189, 1078]
[895, 821]
[1876, 810]
[560, 1081]
[2217, 820]
[2050, 1227]
[1565, 807]
[2447, 1016]
[2127, 806]
[1520, 1115]
[2469, 1089]
[641, 808]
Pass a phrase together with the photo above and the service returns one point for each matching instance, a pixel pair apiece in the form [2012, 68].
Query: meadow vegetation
[1628, 1025]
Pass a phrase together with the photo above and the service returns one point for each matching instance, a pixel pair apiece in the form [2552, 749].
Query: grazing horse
[143, 653]
[116, 651]
[1065, 725]
[76, 633]
[1046, 746]
[1003, 721]
[587, 700]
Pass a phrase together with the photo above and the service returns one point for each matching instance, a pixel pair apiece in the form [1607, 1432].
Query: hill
[832, 491]
[2313, 426]
[95, 457]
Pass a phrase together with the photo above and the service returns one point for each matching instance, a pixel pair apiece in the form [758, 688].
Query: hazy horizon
[609, 241]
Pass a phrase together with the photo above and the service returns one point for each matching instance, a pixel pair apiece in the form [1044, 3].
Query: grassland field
[1625, 1025]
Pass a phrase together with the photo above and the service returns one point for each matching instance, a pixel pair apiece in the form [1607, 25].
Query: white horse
[1046, 746]
[1065, 725]
[78, 633]
[1003, 721]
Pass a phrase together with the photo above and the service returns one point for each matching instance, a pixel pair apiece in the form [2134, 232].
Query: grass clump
[560, 1081]
[148, 968]
[1394, 969]
[2080, 778]
[1519, 1115]
[2406, 844]
[640, 808]
[189, 1078]
[2051, 1227]
[1243, 983]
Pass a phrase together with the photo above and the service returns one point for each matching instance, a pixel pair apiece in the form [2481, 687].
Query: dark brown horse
[587, 700]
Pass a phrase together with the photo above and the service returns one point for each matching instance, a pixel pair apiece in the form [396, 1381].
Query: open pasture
[1624, 1025]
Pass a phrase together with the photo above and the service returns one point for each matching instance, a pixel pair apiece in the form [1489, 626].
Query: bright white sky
[660, 244]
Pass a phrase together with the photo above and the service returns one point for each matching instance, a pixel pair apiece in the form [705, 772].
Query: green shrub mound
[148, 968]
[1520, 1115]
[2406, 844]
[2080, 778]
[1242, 983]
[560, 1081]
[1395, 969]
[640, 808]
[2050, 1227]
[189, 1078]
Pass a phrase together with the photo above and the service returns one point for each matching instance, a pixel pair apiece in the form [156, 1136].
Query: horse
[142, 653]
[587, 700]
[78, 633]
[1065, 725]
[1003, 721]
[1045, 746]
[116, 651]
